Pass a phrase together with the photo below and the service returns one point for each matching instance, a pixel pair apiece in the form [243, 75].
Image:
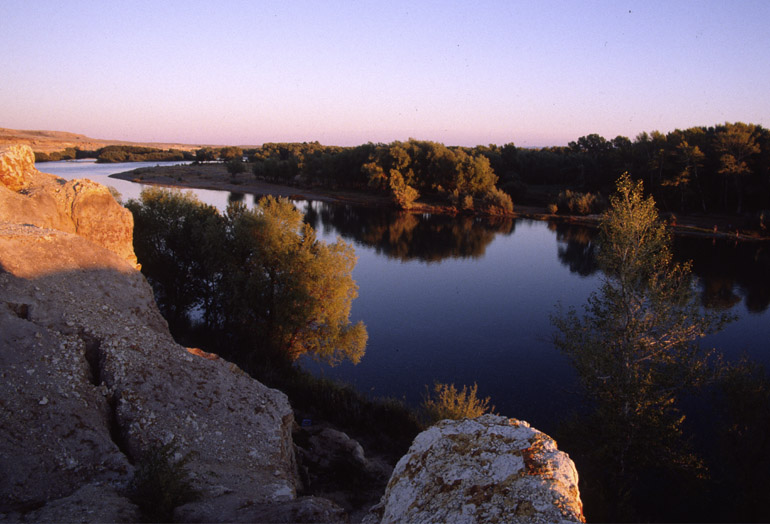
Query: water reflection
[236, 197]
[727, 272]
[577, 247]
[407, 236]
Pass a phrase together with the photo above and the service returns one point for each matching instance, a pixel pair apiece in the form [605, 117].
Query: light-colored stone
[489, 469]
[76, 206]
[17, 164]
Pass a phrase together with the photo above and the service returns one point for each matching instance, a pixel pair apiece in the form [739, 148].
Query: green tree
[235, 167]
[177, 240]
[206, 154]
[736, 144]
[231, 153]
[257, 275]
[635, 347]
[402, 193]
[290, 291]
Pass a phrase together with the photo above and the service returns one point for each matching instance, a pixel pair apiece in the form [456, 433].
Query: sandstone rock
[489, 469]
[90, 371]
[76, 206]
[17, 165]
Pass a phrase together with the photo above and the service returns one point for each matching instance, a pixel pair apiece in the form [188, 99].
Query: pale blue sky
[241, 72]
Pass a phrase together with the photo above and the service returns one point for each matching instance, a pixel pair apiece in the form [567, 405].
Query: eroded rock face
[489, 469]
[17, 164]
[91, 378]
[82, 207]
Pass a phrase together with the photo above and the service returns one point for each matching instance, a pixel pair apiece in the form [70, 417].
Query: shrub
[467, 202]
[449, 403]
[553, 209]
[161, 483]
[497, 202]
[575, 203]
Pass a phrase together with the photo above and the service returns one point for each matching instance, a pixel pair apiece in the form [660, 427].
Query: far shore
[215, 177]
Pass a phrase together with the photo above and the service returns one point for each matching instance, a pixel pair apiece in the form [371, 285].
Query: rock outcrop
[489, 469]
[90, 378]
[82, 207]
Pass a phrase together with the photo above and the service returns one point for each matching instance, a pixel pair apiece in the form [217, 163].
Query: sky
[538, 73]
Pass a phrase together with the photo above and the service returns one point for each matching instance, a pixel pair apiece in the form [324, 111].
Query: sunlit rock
[86, 208]
[489, 469]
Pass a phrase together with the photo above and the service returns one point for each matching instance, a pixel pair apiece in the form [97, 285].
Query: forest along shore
[214, 176]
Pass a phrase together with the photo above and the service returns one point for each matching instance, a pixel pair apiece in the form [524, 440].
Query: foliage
[235, 167]
[111, 154]
[402, 193]
[179, 241]
[575, 203]
[634, 348]
[291, 291]
[161, 483]
[447, 402]
[496, 202]
[744, 398]
[69, 153]
[229, 153]
[259, 275]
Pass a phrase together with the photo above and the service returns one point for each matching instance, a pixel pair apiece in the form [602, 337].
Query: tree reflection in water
[409, 236]
[727, 272]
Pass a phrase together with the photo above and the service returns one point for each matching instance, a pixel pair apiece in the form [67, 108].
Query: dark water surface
[464, 300]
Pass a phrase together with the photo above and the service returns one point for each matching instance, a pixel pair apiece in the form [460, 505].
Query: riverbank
[215, 177]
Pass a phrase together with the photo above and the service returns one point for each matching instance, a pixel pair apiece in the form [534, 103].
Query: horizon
[347, 74]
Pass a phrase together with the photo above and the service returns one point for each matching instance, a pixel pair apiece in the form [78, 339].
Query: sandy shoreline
[215, 177]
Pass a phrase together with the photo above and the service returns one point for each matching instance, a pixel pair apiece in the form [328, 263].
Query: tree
[235, 167]
[258, 276]
[291, 292]
[736, 145]
[231, 153]
[206, 154]
[635, 347]
[177, 238]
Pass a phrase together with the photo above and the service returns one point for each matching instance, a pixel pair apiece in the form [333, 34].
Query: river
[467, 300]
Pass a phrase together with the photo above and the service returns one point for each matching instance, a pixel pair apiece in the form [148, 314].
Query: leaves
[258, 273]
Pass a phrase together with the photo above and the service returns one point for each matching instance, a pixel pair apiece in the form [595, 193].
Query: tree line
[113, 154]
[718, 169]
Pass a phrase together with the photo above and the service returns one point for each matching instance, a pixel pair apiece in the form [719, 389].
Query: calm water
[466, 300]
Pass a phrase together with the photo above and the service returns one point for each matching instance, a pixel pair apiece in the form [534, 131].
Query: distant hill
[51, 141]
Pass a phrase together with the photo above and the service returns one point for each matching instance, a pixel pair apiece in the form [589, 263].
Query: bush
[497, 202]
[553, 209]
[161, 483]
[574, 203]
[449, 403]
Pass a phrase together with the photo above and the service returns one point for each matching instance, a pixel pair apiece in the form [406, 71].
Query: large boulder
[488, 469]
[82, 207]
